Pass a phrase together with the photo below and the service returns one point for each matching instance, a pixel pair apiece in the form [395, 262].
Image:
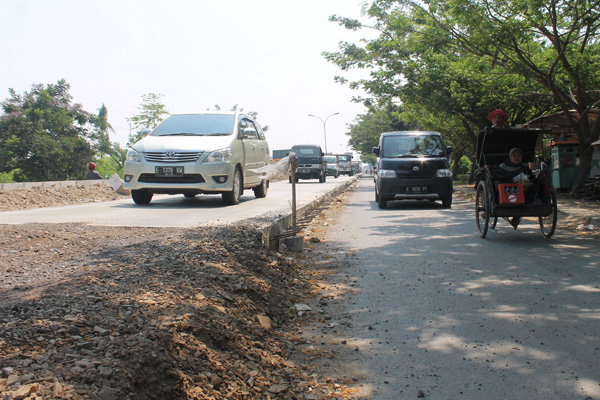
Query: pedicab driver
[498, 118]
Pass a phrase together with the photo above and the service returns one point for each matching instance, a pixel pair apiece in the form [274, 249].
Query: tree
[554, 44]
[151, 113]
[366, 128]
[441, 87]
[103, 146]
[43, 136]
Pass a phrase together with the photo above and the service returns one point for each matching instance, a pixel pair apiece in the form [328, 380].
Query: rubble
[152, 313]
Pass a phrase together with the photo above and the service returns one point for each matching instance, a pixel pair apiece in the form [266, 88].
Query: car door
[250, 143]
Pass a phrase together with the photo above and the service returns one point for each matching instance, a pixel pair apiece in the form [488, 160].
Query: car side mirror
[376, 151]
[448, 150]
[145, 132]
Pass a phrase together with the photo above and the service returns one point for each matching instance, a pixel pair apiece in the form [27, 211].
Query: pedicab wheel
[482, 209]
[493, 223]
[548, 224]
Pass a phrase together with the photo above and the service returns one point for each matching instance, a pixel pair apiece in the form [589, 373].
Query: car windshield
[344, 158]
[411, 146]
[306, 151]
[330, 159]
[196, 125]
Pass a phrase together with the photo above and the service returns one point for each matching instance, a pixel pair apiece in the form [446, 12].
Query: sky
[262, 55]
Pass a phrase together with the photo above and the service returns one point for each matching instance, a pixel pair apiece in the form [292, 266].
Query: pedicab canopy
[493, 144]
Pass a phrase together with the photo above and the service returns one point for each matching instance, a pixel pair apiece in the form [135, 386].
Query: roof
[410, 133]
[558, 123]
[494, 144]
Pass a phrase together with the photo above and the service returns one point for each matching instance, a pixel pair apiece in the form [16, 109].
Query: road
[436, 312]
[178, 211]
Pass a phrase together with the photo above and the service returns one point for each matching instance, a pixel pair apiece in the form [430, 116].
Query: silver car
[204, 153]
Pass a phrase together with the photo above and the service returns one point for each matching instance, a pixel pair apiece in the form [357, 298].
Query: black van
[412, 165]
[312, 165]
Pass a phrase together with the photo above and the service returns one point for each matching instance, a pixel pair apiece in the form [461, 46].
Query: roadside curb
[273, 234]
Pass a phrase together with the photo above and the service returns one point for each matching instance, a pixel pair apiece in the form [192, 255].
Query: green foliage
[107, 166]
[366, 129]
[43, 136]
[9, 177]
[464, 165]
[102, 144]
[151, 113]
[450, 63]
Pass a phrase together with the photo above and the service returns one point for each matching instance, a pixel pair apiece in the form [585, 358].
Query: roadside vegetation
[444, 66]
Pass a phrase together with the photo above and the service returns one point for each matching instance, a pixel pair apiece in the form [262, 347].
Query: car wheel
[260, 191]
[141, 196]
[381, 203]
[233, 197]
[447, 201]
[190, 195]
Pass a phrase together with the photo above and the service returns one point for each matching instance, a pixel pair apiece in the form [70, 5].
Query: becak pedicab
[503, 194]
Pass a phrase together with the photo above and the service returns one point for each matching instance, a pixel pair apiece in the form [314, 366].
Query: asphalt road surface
[179, 211]
[439, 313]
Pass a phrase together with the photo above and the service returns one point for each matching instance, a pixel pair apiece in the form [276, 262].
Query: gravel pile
[149, 313]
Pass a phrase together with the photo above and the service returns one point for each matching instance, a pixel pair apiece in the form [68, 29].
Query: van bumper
[308, 173]
[414, 189]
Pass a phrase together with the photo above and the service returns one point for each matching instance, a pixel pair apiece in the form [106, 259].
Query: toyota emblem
[415, 168]
[170, 154]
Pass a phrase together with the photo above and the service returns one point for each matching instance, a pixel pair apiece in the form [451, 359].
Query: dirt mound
[148, 313]
[138, 313]
[38, 197]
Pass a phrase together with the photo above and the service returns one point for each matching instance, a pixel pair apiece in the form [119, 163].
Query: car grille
[172, 157]
[187, 178]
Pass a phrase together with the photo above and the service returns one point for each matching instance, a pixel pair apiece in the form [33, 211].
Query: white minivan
[203, 153]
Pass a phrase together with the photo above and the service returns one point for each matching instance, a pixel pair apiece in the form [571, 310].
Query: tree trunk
[456, 156]
[586, 152]
[587, 134]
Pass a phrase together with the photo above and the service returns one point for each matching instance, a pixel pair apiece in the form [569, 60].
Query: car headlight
[386, 173]
[133, 155]
[443, 173]
[219, 155]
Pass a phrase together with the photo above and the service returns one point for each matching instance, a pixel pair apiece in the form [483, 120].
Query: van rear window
[411, 146]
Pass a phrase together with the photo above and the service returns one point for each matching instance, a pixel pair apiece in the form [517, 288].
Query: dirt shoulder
[148, 313]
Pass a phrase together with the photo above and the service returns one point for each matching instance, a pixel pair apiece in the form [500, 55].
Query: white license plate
[416, 189]
[168, 171]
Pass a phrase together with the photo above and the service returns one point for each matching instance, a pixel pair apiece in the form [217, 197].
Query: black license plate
[416, 189]
[168, 171]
